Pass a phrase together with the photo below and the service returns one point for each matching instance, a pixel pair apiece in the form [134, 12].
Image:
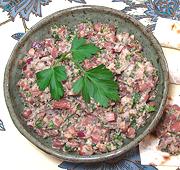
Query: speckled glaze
[71, 17]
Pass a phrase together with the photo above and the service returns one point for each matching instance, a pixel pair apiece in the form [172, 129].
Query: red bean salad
[168, 131]
[73, 124]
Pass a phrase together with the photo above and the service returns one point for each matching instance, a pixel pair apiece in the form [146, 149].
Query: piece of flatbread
[151, 155]
[149, 152]
[167, 32]
[173, 60]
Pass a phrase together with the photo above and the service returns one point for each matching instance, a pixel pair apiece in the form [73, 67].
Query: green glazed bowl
[72, 16]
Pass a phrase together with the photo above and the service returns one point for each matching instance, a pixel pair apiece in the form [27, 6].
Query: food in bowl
[87, 88]
[168, 131]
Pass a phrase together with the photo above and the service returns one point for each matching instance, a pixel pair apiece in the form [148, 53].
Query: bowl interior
[71, 17]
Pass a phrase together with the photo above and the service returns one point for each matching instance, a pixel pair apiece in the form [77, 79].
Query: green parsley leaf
[60, 73]
[43, 78]
[99, 84]
[76, 43]
[81, 50]
[78, 85]
[52, 77]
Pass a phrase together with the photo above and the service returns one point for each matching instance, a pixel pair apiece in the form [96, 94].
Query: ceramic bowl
[72, 16]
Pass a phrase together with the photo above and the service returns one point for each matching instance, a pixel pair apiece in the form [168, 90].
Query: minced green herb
[150, 108]
[135, 98]
[128, 57]
[51, 125]
[117, 65]
[93, 145]
[117, 136]
[39, 124]
[68, 148]
[133, 122]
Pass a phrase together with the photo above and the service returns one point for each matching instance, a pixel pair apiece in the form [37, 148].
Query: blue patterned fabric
[163, 8]
[130, 161]
[153, 10]
[2, 128]
[23, 7]
[78, 1]
[17, 36]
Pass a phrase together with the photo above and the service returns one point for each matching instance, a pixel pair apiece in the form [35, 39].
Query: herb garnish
[97, 83]
[52, 77]
[81, 50]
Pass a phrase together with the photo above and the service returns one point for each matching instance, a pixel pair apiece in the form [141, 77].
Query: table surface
[16, 152]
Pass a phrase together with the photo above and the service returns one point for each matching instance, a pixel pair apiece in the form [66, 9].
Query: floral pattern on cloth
[23, 7]
[163, 8]
[146, 11]
[130, 161]
[2, 128]
[78, 1]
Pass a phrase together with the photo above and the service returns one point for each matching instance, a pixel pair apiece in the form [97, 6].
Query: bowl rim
[97, 157]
